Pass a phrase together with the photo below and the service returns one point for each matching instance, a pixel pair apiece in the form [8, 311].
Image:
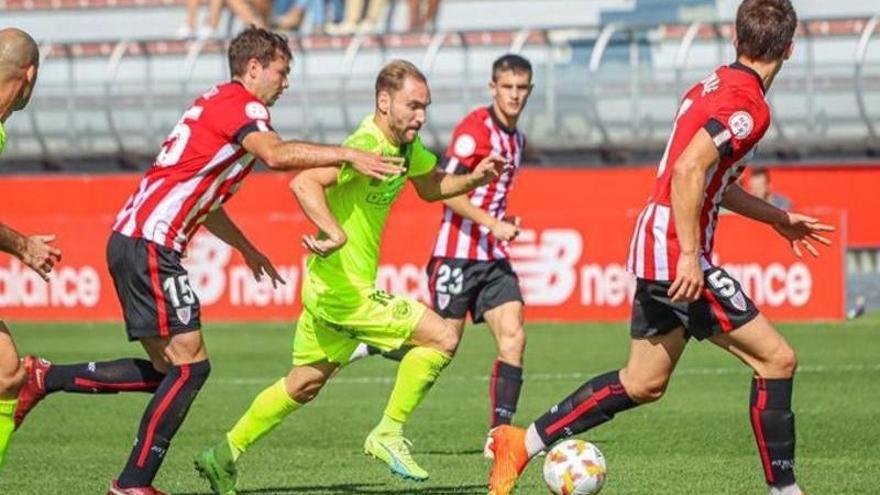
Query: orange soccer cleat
[508, 445]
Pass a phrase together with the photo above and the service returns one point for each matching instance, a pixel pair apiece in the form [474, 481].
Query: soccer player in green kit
[341, 305]
[19, 63]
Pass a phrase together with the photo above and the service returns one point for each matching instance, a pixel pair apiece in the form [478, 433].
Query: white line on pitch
[549, 377]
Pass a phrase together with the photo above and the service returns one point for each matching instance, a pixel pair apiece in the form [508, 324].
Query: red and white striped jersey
[477, 136]
[730, 105]
[200, 166]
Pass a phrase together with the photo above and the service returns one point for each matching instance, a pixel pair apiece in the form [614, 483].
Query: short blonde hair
[392, 76]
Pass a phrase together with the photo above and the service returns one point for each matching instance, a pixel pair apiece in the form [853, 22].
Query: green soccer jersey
[360, 204]
[2, 138]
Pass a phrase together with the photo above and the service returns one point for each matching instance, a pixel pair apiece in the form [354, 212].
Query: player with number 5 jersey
[679, 292]
[201, 165]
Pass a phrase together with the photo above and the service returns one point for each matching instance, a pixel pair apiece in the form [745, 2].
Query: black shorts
[723, 307]
[153, 288]
[459, 285]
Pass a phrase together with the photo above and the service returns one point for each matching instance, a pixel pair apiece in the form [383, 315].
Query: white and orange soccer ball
[575, 467]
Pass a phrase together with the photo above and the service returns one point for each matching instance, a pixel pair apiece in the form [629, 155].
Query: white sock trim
[534, 444]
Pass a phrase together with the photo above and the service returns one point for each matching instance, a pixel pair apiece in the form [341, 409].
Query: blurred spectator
[290, 13]
[359, 20]
[189, 29]
[422, 13]
[759, 185]
[254, 12]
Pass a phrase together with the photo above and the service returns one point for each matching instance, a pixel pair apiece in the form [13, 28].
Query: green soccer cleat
[393, 449]
[218, 468]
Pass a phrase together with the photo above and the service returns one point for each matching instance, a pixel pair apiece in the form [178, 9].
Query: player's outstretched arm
[798, 229]
[298, 155]
[503, 230]
[34, 251]
[688, 184]
[308, 187]
[219, 224]
[437, 185]
[739, 201]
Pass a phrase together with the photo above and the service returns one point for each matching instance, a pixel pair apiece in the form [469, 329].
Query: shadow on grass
[360, 488]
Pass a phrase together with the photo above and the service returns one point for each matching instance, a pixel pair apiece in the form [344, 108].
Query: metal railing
[604, 87]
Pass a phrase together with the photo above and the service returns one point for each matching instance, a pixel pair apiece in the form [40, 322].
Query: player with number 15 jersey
[200, 166]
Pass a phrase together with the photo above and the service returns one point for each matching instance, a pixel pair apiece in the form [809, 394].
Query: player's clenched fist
[688, 282]
[38, 254]
[325, 244]
[507, 229]
[489, 169]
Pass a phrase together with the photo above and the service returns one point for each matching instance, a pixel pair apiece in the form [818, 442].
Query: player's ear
[789, 51]
[383, 101]
[31, 75]
[253, 67]
[493, 88]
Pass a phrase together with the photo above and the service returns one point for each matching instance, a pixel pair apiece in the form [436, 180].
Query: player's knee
[305, 391]
[451, 339]
[784, 362]
[646, 390]
[446, 339]
[12, 379]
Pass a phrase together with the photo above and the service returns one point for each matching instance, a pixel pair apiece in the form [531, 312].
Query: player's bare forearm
[688, 184]
[219, 224]
[438, 186]
[11, 241]
[300, 155]
[462, 206]
[309, 189]
[294, 155]
[739, 201]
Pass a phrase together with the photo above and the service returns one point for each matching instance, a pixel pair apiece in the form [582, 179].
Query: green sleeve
[421, 161]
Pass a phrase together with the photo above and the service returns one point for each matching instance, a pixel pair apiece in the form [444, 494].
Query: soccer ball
[575, 467]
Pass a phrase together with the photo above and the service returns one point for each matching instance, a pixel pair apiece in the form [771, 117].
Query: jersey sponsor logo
[741, 124]
[465, 146]
[256, 111]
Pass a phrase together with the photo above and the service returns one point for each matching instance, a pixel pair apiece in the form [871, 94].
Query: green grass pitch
[696, 440]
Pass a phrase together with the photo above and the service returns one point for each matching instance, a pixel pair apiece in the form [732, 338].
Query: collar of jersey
[498, 121]
[747, 69]
[376, 131]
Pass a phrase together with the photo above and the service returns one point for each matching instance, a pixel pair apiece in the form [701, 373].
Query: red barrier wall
[577, 225]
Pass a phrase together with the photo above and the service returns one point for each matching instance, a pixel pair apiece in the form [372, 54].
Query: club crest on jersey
[401, 310]
[741, 124]
[739, 301]
[184, 314]
[443, 300]
[256, 111]
[465, 145]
